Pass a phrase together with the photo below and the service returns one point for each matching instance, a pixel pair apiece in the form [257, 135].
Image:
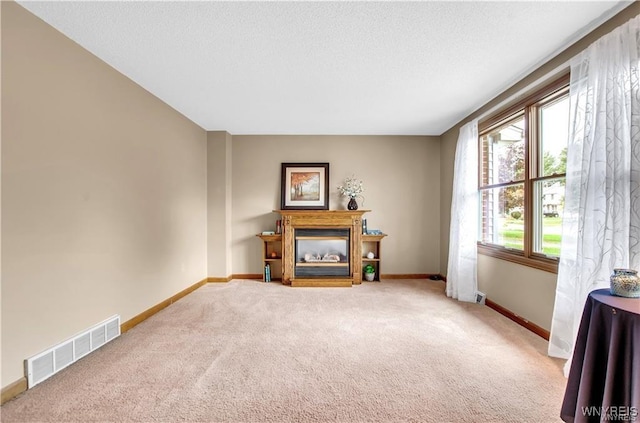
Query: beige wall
[103, 192]
[219, 205]
[401, 179]
[525, 291]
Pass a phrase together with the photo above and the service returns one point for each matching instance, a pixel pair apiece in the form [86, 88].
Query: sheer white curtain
[601, 217]
[463, 235]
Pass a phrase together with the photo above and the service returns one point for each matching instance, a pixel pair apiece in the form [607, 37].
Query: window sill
[545, 264]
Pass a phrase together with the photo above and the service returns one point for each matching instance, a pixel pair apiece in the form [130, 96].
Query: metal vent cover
[42, 366]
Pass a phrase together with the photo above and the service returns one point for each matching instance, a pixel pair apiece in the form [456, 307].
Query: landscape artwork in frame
[305, 186]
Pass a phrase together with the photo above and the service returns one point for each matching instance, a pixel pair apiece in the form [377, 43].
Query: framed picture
[305, 186]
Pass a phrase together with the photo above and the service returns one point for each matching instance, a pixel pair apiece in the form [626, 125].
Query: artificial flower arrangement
[352, 187]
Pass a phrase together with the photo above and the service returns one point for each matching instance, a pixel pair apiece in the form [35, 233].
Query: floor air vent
[44, 365]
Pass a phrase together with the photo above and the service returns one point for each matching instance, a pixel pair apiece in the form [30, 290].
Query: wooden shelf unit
[372, 243]
[366, 243]
[271, 244]
[361, 244]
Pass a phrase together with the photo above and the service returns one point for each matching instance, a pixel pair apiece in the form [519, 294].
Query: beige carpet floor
[246, 351]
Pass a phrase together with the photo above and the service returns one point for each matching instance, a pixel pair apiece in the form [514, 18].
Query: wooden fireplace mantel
[332, 219]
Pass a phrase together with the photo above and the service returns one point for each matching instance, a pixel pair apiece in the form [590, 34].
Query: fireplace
[321, 252]
[321, 247]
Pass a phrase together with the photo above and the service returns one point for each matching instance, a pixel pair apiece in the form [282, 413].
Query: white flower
[352, 187]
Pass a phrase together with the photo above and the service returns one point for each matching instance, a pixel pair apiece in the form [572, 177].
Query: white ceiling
[407, 68]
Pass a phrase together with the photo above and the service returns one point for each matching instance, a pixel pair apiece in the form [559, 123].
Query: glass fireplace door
[322, 252]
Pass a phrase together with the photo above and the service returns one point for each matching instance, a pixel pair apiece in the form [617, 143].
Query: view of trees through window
[523, 161]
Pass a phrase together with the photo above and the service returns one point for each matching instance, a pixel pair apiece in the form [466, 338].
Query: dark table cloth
[604, 379]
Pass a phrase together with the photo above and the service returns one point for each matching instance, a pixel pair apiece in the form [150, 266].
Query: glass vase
[352, 204]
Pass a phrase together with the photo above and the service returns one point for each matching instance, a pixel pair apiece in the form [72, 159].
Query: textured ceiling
[413, 68]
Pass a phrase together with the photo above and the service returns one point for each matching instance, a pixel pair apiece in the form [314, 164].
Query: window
[523, 155]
